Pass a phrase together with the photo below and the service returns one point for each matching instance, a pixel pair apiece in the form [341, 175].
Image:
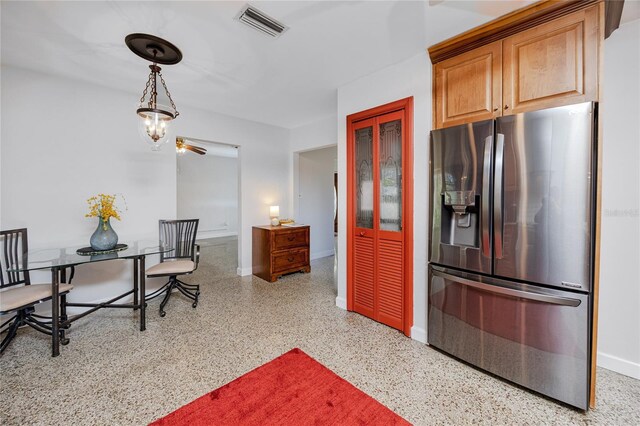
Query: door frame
[405, 104]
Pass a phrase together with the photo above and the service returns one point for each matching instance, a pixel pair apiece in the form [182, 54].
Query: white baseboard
[215, 234]
[619, 365]
[321, 254]
[419, 334]
[243, 272]
[341, 303]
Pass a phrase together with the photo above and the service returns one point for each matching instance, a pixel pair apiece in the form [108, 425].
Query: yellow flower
[103, 206]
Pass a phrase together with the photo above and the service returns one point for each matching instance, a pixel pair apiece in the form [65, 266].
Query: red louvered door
[377, 200]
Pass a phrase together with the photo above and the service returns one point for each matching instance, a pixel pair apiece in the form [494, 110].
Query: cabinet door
[553, 64]
[469, 86]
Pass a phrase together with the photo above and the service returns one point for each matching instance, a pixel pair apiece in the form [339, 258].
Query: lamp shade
[274, 211]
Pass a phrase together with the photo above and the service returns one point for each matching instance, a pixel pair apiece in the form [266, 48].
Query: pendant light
[155, 118]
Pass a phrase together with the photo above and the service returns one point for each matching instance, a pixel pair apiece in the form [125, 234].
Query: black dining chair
[182, 259]
[17, 295]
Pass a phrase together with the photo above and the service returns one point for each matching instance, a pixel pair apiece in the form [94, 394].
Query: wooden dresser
[279, 250]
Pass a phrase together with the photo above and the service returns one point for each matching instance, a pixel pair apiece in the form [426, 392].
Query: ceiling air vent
[258, 20]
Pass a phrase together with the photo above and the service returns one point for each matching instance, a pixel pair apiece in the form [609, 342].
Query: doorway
[208, 188]
[380, 214]
[314, 203]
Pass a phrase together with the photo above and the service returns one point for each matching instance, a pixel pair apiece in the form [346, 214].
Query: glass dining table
[61, 260]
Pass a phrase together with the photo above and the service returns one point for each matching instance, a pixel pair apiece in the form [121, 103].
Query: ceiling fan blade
[198, 148]
[195, 149]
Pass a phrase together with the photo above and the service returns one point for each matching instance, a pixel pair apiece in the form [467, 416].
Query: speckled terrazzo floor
[111, 373]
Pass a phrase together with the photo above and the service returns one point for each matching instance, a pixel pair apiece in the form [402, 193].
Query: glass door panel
[390, 160]
[364, 177]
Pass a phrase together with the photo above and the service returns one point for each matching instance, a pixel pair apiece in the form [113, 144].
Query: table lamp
[274, 213]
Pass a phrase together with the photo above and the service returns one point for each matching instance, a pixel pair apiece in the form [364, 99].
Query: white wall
[619, 319]
[315, 203]
[319, 134]
[208, 190]
[64, 140]
[409, 78]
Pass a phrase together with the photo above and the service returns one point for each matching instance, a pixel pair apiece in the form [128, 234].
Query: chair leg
[5, 327]
[11, 333]
[37, 325]
[28, 318]
[192, 291]
[158, 292]
[189, 286]
[166, 298]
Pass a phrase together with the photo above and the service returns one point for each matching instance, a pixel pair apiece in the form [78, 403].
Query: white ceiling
[228, 67]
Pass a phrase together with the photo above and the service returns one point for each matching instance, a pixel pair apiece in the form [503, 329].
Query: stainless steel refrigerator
[511, 247]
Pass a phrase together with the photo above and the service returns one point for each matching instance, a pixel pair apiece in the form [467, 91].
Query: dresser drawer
[291, 259]
[290, 239]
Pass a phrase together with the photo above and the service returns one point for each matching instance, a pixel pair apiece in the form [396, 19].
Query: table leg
[55, 318]
[135, 284]
[143, 303]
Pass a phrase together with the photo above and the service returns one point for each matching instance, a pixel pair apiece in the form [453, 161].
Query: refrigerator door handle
[546, 298]
[498, 196]
[486, 184]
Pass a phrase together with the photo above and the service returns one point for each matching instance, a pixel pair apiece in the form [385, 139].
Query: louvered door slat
[364, 273]
[390, 283]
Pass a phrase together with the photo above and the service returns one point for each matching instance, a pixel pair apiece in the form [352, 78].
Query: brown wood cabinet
[551, 64]
[279, 250]
[469, 86]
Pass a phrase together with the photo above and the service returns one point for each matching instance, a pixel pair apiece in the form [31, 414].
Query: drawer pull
[291, 238]
[291, 259]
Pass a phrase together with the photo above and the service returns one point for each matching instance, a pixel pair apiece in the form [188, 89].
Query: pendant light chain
[146, 88]
[146, 91]
[173, 105]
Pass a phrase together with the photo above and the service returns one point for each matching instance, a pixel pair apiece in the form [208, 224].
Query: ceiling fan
[182, 147]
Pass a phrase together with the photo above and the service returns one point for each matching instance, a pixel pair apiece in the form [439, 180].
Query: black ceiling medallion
[154, 117]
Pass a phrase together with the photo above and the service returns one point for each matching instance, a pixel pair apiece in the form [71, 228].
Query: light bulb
[154, 127]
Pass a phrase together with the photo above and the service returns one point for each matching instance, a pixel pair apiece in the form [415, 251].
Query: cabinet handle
[362, 233]
[495, 109]
[291, 259]
[506, 107]
[291, 238]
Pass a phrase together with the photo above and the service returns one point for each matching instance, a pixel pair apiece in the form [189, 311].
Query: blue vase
[104, 237]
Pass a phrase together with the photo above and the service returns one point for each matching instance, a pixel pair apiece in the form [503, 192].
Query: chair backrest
[180, 236]
[14, 253]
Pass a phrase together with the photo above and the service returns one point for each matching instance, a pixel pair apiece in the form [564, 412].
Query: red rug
[293, 389]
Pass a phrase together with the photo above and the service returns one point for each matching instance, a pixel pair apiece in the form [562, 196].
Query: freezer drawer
[535, 337]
